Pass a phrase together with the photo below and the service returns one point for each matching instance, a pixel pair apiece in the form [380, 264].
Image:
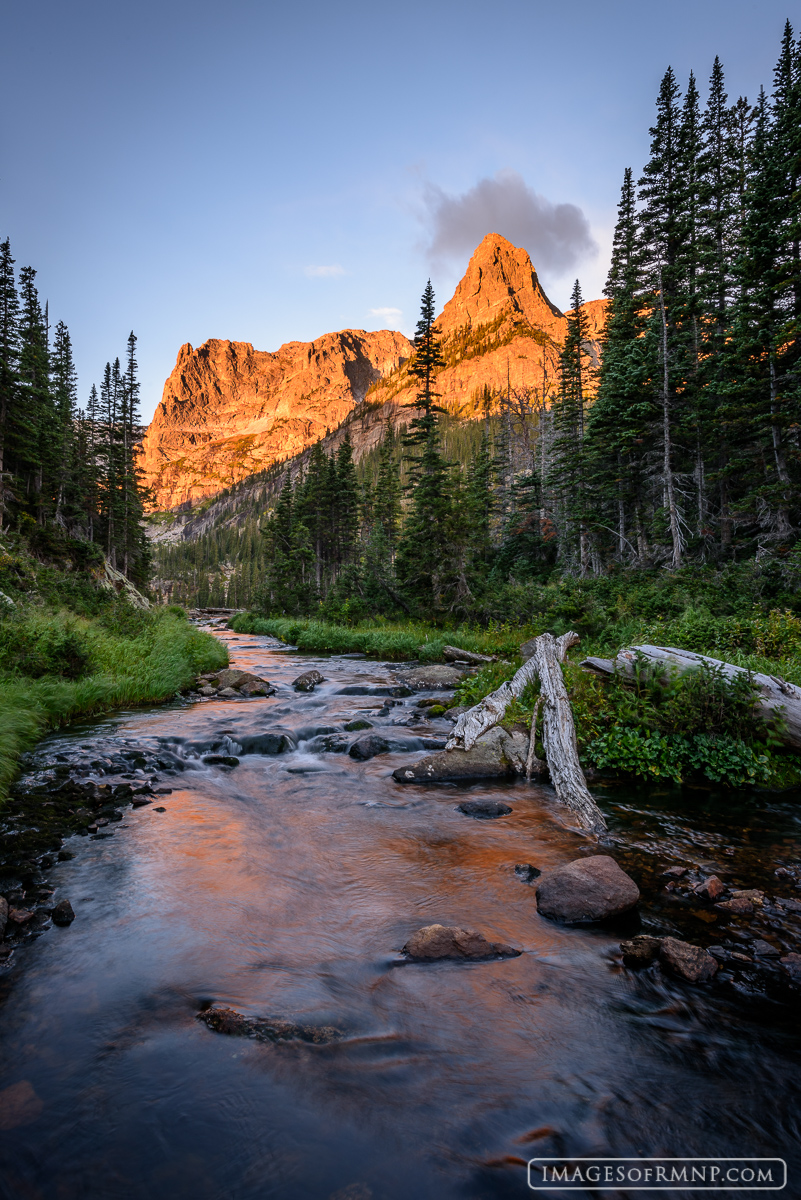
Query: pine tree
[9, 363]
[422, 562]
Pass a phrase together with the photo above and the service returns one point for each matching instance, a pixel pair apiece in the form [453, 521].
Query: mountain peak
[500, 280]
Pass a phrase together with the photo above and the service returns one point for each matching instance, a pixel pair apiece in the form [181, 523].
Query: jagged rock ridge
[229, 410]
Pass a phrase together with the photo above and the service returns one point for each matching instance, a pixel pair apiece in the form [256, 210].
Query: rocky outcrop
[434, 942]
[589, 889]
[229, 410]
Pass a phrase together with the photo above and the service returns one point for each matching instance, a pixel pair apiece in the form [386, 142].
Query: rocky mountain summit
[229, 410]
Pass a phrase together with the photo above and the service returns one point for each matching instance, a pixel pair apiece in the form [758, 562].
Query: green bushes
[126, 658]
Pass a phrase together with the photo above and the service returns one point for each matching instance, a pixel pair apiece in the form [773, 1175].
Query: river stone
[368, 746]
[221, 760]
[265, 743]
[3, 916]
[256, 687]
[484, 809]
[308, 681]
[448, 941]
[357, 725]
[231, 678]
[62, 914]
[640, 951]
[689, 962]
[226, 1020]
[434, 676]
[228, 692]
[588, 889]
[711, 888]
[496, 755]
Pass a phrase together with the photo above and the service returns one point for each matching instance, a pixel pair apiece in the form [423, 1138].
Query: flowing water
[285, 888]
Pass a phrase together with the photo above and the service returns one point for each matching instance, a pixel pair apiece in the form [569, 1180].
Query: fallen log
[455, 654]
[776, 701]
[558, 730]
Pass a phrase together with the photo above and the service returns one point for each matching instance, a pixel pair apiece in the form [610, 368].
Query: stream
[285, 887]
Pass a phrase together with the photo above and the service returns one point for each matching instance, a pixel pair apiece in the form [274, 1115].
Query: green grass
[55, 667]
[394, 641]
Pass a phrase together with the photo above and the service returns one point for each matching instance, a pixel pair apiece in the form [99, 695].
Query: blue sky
[268, 172]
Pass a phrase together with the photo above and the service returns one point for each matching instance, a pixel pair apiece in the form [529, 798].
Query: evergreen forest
[69, 483]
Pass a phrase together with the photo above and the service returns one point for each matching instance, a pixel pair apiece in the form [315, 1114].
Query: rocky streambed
[248, 953]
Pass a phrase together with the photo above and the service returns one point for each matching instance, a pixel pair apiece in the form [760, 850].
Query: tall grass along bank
[56, 666]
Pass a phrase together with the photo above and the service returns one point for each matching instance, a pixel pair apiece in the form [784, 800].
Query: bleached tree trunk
[558, 729]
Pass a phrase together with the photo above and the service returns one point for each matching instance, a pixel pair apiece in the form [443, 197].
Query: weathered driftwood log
[775, 697]
[558, 730]
[455, 654]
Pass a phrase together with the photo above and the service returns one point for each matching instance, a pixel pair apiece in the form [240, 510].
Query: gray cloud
[557, 236]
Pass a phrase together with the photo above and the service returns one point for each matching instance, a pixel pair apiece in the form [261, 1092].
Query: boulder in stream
[368, 746]
[308, 681]
[266, 743]
[689, 962]
[496, 755]
[434, 942]
[433, 677]
[63, 914]
[588, 889]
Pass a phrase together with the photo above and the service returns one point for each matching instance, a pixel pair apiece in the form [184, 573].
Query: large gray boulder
[496, 755]
[449, 941]
[589, 889]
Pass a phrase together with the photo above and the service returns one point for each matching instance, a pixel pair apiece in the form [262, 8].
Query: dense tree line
[63, 467]
[692, 445]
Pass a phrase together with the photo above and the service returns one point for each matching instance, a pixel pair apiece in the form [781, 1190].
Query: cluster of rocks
[54, 800]
[231, 683]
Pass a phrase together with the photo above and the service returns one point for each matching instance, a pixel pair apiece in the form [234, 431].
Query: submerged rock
[589, 889]
[496, 755]
[434, 942]
[227, 1021]
[355, 726]
[221, 760]
[526, 872]
[484, 809]
[368, 746]
[689, 962]
[308, 681]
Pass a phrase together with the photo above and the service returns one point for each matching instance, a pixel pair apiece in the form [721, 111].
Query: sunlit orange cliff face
[228, 410]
